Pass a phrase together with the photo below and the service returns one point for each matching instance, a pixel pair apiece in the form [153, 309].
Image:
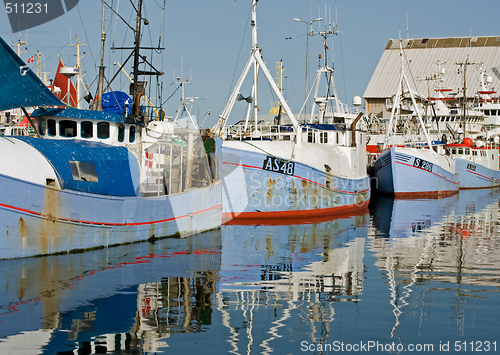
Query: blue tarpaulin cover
[20, 86]
[116, 102]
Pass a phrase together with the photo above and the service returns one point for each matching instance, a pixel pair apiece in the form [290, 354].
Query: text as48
[278, 165]
[26, 8]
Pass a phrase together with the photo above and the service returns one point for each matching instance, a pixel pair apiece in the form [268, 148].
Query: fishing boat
[287, 170]
[488, 103]
[476, 153]
[95, 179]
[418, 168]
[476, 163]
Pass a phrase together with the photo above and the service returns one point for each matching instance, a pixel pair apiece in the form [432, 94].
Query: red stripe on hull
[294, 217]
[427, 171]
[480, 187]
[62, 219]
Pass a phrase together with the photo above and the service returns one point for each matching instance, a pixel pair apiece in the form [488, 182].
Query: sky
[208, 43]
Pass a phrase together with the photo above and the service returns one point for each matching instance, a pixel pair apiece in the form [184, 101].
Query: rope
[193, 179]
[270, 154]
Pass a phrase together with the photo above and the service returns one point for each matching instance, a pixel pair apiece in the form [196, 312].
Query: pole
[136, 94]
[100, 84]
[307, 67]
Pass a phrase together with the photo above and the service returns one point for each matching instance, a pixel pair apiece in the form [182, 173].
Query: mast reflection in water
[404, 272]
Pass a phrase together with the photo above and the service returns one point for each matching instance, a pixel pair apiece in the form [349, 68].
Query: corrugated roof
[421, 58]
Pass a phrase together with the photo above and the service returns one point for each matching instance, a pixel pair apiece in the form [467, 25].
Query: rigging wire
[85, 33]
[116, 21]
[239, 53]
[409, 69]
[178, 87]
[343, 68]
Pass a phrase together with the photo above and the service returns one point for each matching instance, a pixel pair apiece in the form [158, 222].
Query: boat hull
[402, 174]
[475, 176]
[256, 186]
[39, 220]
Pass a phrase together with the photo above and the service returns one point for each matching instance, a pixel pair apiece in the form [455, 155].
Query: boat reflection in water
[126, 298]
[404, 272]
[283, 282]
[136, 297]
[429, 246]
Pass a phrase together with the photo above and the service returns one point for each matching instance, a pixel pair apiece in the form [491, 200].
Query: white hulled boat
[95, 179]
[286, 171]
[421, 170]
[476, 163]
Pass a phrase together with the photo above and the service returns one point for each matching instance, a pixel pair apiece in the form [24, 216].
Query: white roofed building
[436, 66]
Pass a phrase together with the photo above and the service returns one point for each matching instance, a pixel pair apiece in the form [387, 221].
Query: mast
[464, 101]
[100, 83]
[78, 66]
[256, 60]
[330, 84]
[38, 57]
[402, 81]
[19, 44]
[135, 91]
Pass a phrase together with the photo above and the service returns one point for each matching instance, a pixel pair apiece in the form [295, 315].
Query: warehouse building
[432, 65]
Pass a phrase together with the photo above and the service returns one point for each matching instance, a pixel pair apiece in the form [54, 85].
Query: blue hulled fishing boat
[96, 179]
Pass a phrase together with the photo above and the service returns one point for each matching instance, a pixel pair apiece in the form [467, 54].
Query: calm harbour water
[419, 275]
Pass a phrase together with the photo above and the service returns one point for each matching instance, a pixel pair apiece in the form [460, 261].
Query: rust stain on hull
[50, 231]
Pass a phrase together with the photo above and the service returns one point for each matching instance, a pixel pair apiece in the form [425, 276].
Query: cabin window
[67, 128]
[474, 152]
[83, 171]
[454, 151]
[487, 112]
[51, 127]
[467, 151]
[310, 137]
[447, 119]
[460, 150]
[492, 156]
[121, 133]
[103, 130]
[87, 129]
[483, 153]
[323, 136]
[131, 134]
[337, 137]
[42, 127]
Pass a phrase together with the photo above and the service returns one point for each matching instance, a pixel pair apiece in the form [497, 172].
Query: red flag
[31, 59]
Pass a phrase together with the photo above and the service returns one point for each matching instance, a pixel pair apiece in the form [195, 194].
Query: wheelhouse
[88, 125]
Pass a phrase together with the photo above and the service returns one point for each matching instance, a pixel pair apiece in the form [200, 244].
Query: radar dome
[356, 101]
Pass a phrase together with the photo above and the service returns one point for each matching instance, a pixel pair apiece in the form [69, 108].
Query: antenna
[407, 32]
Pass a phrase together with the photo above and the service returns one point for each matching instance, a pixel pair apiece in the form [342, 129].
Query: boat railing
[309, 133]
[260, 131]
[172, 166]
